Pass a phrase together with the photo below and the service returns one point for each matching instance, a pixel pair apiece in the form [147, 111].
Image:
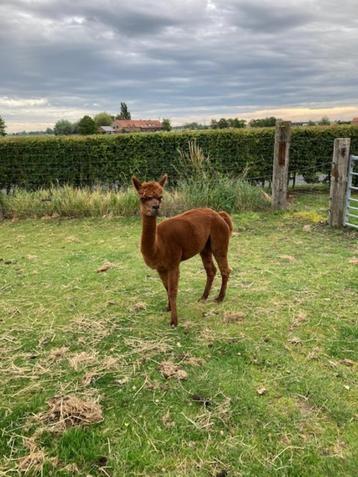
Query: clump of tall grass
[69, 201]
[201, 185]
[74, 202]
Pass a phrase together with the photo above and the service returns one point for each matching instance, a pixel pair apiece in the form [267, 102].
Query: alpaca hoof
[173, 325]
[219, 299]
[202, 299]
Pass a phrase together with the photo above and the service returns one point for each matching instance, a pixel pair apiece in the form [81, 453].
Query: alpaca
[179, 238]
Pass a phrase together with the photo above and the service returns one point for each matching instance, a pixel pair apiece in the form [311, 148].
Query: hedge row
[34, 162]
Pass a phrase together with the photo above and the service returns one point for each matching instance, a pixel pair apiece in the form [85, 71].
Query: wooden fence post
[339, 180]
[280, 164]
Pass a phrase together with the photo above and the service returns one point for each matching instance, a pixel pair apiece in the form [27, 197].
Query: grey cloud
[165, 57]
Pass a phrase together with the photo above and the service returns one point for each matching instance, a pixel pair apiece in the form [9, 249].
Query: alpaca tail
[228, 220]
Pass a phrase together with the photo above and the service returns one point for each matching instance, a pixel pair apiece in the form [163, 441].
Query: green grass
[296, 287]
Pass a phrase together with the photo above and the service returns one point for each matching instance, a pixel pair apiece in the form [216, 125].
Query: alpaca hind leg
[164, 278]
[225, 273]
[173, 280]
[220, 245]
[207, 258]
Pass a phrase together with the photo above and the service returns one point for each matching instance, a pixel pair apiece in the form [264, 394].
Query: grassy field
[271, 374]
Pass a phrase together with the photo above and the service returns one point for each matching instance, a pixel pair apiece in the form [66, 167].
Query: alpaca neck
[148, 243]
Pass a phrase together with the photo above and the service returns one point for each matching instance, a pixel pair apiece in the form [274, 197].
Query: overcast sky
[182, 59]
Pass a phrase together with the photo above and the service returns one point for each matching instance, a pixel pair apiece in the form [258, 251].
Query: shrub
[40, 162]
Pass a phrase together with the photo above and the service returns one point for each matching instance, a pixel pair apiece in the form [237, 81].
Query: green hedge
[34, 162]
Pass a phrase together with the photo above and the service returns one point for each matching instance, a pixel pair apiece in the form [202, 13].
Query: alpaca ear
[136, 183]
[163, 180]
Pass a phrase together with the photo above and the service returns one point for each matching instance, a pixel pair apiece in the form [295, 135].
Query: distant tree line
[88, 125]
[224, 123]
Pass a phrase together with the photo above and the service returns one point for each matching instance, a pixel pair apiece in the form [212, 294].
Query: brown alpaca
[181, 237]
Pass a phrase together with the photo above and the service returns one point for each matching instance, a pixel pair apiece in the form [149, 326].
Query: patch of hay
[72, 239]
[89, 378]
[139, 307]
[147, 347]
[233, 317]
[298, 320]
[71, 469]
[69, 411]
[261, 391]
[289, 258]
[295, 340]
[93, 329]
[207, 336]
[193, 361]
[220, 412]
[347, 362]
[80, 360]
[167, 420]
[110, 362]
[58, 353]
[34, 460]
[105, 267]
[171, 371]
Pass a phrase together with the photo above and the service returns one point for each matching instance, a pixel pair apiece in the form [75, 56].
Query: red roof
[138, 123]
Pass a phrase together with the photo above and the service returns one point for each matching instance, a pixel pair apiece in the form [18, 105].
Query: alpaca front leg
[173, 279]
[164, 278]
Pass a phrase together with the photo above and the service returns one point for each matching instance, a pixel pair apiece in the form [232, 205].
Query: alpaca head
[150, 194]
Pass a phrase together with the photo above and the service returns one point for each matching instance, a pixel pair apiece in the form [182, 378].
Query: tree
[166, 125]
[2, 127]
[237, 123]
[125, 114]
[263, 123]
[63, 128]
[194, 125]
[87, 125]
[324, 121]
[103, 119]
[223, 123]
[228, 123]
[75, 129]
[311, 123]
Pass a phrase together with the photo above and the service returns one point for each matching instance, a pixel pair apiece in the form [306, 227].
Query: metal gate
[351, 210]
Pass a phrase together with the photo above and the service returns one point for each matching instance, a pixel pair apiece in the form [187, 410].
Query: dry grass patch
[69, 411]
[172, 371]
[147, 348]
[211, 414]
[234, 317]
[81, 360]
[193, 360]
[58, 353]
[34, 460]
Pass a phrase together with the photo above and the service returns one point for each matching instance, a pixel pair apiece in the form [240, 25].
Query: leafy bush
[40, 162]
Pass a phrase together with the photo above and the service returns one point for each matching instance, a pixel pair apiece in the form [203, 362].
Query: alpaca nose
[155, 207]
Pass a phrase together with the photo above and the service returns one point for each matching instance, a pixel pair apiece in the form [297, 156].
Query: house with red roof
[136, 125]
